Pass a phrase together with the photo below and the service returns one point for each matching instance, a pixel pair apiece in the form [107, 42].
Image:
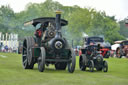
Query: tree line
[81, 21]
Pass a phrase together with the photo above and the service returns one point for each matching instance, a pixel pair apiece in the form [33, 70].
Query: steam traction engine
[91, 56]
[48, 46]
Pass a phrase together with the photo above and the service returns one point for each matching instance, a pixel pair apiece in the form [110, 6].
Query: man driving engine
[40, 32]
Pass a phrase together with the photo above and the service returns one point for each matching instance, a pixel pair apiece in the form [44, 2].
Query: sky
[118, 8]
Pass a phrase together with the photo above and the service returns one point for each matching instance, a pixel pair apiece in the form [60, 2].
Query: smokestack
[57, 20]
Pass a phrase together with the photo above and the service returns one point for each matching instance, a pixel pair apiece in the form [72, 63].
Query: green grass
[12, 73]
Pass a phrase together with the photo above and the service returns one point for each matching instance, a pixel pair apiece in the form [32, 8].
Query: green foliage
[6, 16]
[94, 23]
[123, 28]
[81, 20]
[111, 30]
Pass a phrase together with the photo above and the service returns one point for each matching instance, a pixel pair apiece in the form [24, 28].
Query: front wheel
[91, 66]
[71, 65]
[105, 66]
[27, 59]
[41, 60]
[82, 63]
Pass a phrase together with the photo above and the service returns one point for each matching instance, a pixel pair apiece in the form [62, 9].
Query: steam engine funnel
[57, 20]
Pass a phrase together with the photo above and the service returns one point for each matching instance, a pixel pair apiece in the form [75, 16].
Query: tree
[6, 16]
[123, 29]
[81, 20]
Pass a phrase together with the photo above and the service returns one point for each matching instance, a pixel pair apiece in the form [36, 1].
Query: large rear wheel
[118, 53]
[72, 63]
[27, 59]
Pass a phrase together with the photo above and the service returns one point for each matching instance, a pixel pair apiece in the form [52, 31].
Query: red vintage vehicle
[104, 48]
[105, 52]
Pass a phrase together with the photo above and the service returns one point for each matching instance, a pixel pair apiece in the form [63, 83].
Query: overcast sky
[119, 8]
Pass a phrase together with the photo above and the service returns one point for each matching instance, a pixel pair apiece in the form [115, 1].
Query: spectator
[76, 51]
[6, 48]
[80, 52]
[2, 48]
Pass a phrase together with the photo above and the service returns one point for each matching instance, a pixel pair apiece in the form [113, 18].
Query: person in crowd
[6, 48]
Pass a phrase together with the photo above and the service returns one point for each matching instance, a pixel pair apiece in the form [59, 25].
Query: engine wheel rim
[71, 64]
[105, 67]
[91, 66]
[81, 63]
[30, 55]
[24, 56]
[118, 54]
[41, 60]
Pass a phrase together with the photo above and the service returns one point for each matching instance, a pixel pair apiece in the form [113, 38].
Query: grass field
[12, 73]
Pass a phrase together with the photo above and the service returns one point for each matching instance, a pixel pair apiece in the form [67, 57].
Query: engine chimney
[57, 20]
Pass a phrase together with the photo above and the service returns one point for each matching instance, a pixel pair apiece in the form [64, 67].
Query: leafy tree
[123, 29]
[81, 20]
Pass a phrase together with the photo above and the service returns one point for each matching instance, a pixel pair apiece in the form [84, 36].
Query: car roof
[93, 37]
[36, 21]
[121, 41]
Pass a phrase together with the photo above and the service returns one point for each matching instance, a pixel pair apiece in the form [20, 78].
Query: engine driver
[40, 32]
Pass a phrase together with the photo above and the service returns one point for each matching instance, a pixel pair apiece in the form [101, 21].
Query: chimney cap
[58, 12]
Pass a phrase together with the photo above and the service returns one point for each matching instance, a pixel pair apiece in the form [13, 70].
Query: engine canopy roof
[36, 21]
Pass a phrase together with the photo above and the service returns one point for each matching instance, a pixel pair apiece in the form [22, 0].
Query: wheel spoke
[25, 61]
